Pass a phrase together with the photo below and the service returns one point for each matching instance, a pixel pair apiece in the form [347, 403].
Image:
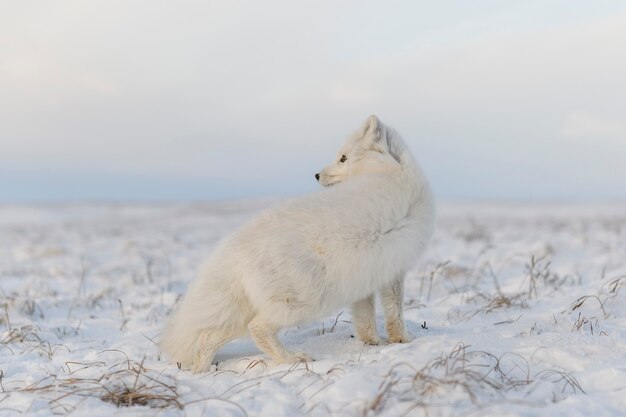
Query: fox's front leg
[364, 320]
[392, 296]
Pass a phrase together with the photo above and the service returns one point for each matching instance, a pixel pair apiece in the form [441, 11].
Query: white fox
[307, 257]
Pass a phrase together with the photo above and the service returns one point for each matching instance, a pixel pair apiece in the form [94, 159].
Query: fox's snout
[317, 176]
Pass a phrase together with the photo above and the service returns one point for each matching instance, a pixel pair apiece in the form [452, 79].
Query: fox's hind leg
[364, 320]
[392, 296]
[209, 342]
[265, 335]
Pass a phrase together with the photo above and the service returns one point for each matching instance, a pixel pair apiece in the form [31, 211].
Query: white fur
[309, 256]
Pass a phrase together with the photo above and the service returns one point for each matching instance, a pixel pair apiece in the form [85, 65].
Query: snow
[515, 310]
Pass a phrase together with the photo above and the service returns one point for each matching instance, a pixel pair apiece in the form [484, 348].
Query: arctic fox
[307, 257]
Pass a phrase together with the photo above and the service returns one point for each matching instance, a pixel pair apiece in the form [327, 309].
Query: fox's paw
[401, 338]
[372, 341]
[368, 335]
[299, 357]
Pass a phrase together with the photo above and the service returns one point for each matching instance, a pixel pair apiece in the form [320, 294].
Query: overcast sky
[522, 100]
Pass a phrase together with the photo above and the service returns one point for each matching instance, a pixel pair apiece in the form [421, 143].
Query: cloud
[593, 127]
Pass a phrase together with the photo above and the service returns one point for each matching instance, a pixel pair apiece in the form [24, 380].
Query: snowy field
[515, 310]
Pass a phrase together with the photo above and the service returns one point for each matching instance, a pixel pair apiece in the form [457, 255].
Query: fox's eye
[343, 158]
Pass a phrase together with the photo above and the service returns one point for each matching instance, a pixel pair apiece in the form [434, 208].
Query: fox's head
[366, 151]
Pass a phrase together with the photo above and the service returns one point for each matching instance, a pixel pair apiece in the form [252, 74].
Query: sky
[214, 100]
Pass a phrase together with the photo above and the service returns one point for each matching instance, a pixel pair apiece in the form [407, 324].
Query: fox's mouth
[326, 180]
[328, 184]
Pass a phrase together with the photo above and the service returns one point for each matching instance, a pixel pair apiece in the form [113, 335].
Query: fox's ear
[371, 128]
[372, 134]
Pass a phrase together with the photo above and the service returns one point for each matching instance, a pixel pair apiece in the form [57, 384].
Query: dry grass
[20, 335]
[493, 302]
[333, 326]
[473, 377]
[600, 302]
[538, 270]
[439, 269]
[611, 289]
[125, 384]
[5, 319]
[578, 303]
[475, 232]
[539, 277]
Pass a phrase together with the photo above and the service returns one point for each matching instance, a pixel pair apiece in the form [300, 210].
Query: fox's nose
[317, 176]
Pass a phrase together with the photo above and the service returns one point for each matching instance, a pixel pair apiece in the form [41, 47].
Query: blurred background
[218, 100]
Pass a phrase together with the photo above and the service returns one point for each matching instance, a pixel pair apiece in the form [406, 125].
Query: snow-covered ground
[514, 310]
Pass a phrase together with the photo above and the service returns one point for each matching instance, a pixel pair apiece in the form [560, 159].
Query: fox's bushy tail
[207, 317]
